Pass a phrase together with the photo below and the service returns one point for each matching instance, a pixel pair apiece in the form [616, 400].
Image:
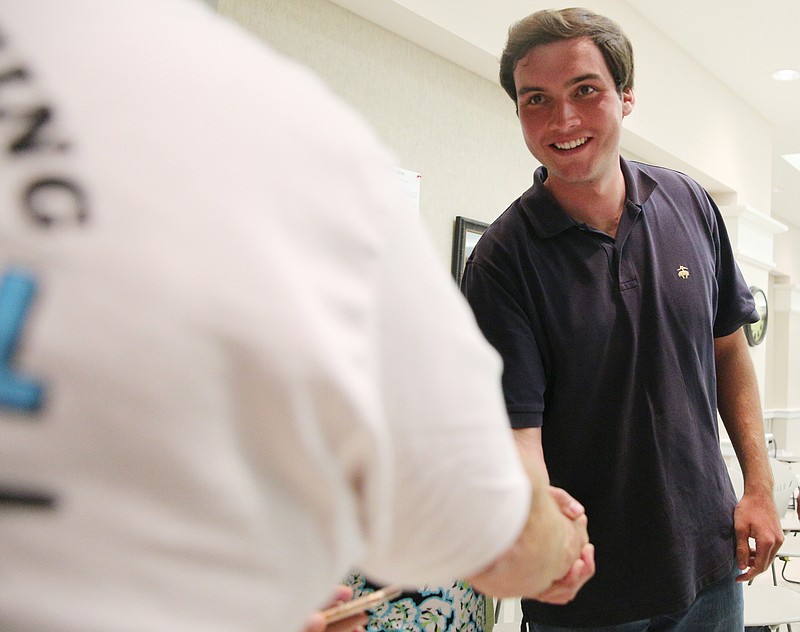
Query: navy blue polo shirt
[608, 345]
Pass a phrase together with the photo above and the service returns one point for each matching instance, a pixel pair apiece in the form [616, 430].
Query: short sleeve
[506, 324]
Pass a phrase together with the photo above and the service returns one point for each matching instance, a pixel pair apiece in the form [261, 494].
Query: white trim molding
[752, 234]
[786, 298]
[782, 413]
[431, 29]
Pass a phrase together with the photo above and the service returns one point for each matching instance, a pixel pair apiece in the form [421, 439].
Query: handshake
[552, 557]
[550, 560]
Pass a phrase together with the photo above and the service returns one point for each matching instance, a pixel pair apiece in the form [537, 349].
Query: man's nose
[564, 115]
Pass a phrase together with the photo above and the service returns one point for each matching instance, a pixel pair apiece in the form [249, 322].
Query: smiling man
[611, 291]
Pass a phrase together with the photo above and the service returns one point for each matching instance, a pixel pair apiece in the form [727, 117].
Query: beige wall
[457, 129]
[446, 118]
[787, 253]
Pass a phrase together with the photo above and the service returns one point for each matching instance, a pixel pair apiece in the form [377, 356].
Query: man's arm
[553, 546]
[561, 588]
[529, 444]
[740, 408]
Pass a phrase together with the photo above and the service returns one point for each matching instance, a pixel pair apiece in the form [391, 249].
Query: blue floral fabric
[451, 608]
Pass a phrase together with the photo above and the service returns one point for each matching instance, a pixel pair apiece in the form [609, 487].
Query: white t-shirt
[255, 372]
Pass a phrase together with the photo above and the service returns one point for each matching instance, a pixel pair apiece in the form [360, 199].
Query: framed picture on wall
[466, 234]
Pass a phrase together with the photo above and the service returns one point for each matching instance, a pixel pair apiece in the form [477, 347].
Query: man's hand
[552, 547]
[356, 623]
[563, 590]
[755, 517]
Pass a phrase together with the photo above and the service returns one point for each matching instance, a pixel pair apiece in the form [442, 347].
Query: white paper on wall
[409, 182]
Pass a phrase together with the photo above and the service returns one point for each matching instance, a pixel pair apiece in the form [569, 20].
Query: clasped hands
[565, 589]
[560, 591]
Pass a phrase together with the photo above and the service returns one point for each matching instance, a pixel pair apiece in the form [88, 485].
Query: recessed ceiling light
[792, 159]
[787, 74]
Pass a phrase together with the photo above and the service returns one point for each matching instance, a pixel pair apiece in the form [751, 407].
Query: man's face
[570, 112]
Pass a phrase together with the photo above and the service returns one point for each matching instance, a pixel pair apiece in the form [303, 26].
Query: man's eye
[584, 90]
[536, 99]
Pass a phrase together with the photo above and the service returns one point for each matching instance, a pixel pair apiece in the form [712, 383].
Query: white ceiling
[739, 41]
[742, 43]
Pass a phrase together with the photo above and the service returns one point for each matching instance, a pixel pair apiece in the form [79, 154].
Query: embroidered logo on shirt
[683, 272]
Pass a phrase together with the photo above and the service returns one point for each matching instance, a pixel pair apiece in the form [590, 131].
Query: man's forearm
[739, 406]
[529, 445]
[544, 551]
[553, 539]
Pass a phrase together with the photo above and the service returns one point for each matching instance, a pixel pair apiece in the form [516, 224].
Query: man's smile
[571, 144]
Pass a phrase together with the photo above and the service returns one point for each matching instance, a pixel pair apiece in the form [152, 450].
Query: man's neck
[598, 204]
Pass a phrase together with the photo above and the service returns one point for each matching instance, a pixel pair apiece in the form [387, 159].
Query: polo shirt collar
[639, 186]
[548, 219]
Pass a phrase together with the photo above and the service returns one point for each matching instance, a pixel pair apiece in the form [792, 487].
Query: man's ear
[628, 101]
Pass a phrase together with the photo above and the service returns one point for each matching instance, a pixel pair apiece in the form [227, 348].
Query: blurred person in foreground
[611, 292]
[232, 366]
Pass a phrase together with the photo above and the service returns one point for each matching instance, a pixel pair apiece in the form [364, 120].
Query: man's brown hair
[548, 26]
